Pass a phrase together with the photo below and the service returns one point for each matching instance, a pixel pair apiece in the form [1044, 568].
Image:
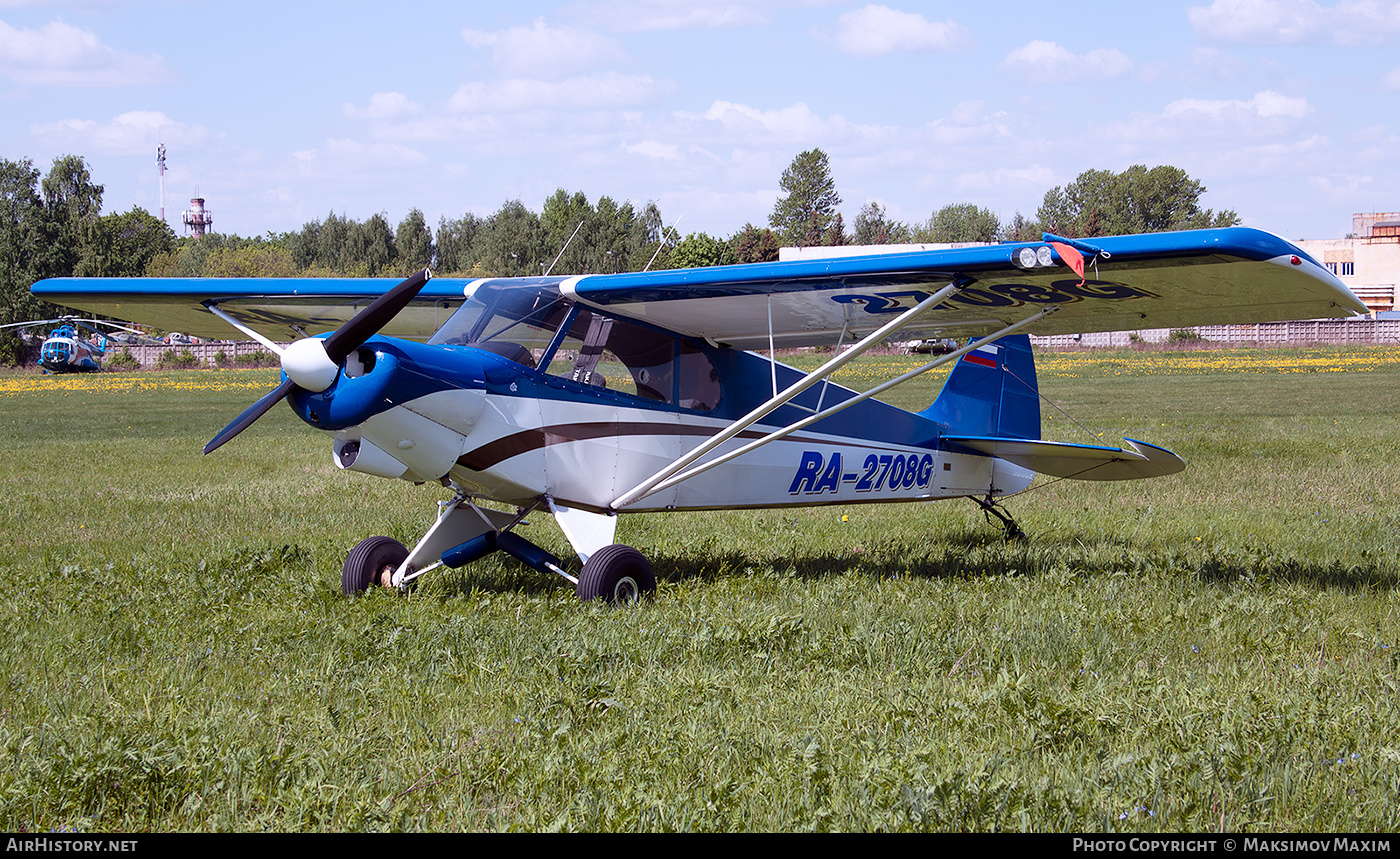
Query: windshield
[518, 324]
[521, 324]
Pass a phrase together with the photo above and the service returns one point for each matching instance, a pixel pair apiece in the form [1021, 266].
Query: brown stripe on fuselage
[498, 451]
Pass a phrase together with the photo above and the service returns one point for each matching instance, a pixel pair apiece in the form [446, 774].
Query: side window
[699, 383]
[620, 356]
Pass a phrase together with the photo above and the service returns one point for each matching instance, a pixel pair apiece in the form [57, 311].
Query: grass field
[1215, 650]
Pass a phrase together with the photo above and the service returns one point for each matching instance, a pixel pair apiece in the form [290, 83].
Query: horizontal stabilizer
[1077, 461]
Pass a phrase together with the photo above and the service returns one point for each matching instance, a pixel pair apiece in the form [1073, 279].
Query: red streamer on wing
[1071, 256]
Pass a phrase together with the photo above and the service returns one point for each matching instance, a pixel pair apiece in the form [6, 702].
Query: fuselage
[515, 429]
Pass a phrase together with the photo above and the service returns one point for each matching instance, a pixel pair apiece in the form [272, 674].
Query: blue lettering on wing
[997, 295]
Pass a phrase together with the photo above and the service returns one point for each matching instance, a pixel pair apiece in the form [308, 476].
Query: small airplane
[589, 396]
[68, 350]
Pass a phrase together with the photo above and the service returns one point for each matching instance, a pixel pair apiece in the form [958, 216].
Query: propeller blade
[250, 414]
[346, 339]
[365, 324]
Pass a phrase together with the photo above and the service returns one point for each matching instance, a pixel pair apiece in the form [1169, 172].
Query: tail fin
[991, 392]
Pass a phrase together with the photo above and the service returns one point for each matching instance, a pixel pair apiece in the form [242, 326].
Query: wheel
[367, 562]
[617, 574]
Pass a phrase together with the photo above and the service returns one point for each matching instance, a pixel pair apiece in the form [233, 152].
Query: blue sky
[278, 113]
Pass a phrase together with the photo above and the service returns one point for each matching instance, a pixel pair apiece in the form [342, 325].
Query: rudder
[992, 391]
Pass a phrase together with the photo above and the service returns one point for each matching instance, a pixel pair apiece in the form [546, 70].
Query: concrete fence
[1338, 332]
[205, 353]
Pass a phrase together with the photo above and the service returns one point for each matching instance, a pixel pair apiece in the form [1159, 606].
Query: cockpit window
[521, 324]
[509, 322]
[618, 355]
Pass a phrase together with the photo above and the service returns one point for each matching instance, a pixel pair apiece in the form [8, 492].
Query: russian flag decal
[984, 356]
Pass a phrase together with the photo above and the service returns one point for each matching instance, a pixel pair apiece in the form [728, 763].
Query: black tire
[367, 560]
[616, 574]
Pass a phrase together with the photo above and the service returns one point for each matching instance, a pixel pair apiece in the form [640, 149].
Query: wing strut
[225, 316]
[669, 476]
[650, 485]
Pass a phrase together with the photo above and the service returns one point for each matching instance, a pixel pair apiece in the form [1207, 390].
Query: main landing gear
[617, 574]
[465, 532]
[372, 562]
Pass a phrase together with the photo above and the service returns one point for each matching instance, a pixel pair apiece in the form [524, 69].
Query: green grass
[1215, 650]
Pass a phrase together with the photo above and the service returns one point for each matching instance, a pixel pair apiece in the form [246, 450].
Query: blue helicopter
[76, 345]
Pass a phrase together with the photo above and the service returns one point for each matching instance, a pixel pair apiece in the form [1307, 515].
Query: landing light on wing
[1041, 257]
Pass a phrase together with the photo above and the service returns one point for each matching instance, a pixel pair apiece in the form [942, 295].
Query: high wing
[1156, 280]
[278, 308]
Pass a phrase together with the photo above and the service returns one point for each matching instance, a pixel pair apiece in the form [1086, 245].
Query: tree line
[52, 225]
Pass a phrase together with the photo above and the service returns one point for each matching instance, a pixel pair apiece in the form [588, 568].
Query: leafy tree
[1019, 229]
[617, 236]
[372, 247]
[333, 243]
[250, 260]
[227, 255]
[873, 227]
[804, 216]
[26, 241]
[413, 243]
[512, 242]
[753, 245]
[562, 215]
[1138, 200]
[304, 244]
[73, 204]
[959, 222]
[123, 245]
[609, 237]
[699, 250]
[836, 233]
[455, 241]
[645, 237]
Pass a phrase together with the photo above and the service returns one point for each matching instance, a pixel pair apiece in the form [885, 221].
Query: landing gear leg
[990, 508]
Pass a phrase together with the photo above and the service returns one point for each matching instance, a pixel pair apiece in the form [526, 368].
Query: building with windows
[1367, 260]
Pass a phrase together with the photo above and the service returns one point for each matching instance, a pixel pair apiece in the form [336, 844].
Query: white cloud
[384, 106]
[356, 160]
[655, 149]
[587, 92]
[1291, 22]
[60, 54]
[730, 124]
[1265, 104]
[1392, 80]
[541, 51]
[1048, 62]
[642, 15]
[132, 133]
[873, 31]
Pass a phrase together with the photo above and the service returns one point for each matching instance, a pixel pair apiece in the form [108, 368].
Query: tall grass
[1215, 650]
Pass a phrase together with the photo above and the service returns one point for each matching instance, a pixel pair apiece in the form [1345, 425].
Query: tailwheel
[618, 574]
[372, 562]
[990, 508]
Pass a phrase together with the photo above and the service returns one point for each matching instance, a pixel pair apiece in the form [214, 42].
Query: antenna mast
[160, 164]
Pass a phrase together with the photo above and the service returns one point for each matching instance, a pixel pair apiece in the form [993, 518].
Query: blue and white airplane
[590, 396]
